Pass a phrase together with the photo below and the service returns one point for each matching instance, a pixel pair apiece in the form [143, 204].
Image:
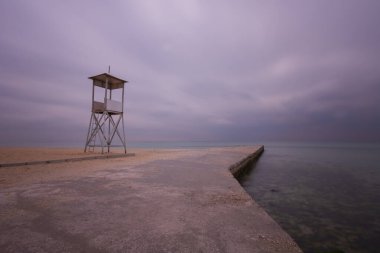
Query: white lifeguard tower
[106, 115]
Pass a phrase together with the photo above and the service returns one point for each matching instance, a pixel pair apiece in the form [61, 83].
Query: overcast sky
[209, 70]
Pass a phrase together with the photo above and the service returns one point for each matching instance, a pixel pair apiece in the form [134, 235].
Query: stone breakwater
[156, 201]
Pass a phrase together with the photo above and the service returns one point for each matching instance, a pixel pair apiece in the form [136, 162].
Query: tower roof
[113, 82]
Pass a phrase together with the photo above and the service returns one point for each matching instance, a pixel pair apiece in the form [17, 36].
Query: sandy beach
[43, 172]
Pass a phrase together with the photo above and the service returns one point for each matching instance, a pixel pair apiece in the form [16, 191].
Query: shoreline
[187, 199]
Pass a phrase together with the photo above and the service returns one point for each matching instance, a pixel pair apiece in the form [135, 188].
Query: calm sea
[325, 195]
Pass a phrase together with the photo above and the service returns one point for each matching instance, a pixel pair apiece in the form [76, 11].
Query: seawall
[242, 166]
[156, 201]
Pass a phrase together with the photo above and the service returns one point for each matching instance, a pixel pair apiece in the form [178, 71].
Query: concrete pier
[183, 200]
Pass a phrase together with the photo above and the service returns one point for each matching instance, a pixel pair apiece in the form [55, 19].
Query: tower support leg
[88, 132]
[124, 143]
[104, 126]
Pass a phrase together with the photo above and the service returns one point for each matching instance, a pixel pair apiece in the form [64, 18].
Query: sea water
[325, 195]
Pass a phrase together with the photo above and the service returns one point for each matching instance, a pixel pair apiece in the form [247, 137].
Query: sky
[197, 70]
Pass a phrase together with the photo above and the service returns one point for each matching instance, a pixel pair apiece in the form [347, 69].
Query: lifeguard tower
[106, 115]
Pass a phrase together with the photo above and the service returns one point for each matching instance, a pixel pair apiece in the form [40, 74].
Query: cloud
[215, 70]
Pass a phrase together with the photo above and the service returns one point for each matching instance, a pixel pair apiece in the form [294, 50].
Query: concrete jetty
[179, 200]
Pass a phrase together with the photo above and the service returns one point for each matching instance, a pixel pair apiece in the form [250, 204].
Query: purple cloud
[214, 70]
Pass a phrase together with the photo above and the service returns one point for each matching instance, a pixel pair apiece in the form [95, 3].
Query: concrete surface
[183, 201]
